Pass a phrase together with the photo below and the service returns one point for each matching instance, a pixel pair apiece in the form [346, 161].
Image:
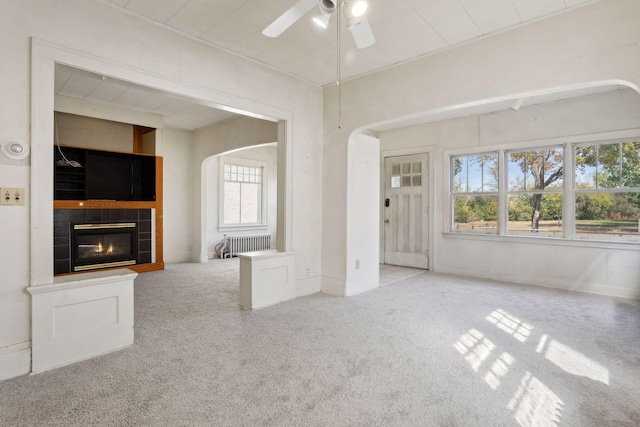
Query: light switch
[11, 196]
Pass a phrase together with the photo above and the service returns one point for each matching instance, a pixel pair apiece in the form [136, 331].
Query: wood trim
[145, 268]
[106, 151]
[137, 140]
[102, 204]
[159, 211]
[138, 132]
[138, 268]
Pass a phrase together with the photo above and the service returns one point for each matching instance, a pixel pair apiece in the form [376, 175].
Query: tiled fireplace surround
[64, 218]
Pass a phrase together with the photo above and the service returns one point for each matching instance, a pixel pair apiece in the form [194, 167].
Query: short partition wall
[81, 316]
[266, 278]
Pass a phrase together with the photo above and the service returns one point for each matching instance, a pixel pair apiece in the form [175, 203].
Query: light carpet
[429, 350]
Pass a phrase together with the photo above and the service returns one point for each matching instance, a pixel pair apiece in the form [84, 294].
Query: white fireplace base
[80, 316]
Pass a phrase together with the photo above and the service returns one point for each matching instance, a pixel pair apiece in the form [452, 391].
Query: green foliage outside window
[606, 189]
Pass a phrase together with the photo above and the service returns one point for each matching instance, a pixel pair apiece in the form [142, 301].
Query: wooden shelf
[102, 204]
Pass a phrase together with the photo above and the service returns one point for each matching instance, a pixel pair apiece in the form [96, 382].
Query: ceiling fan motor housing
[327, 6]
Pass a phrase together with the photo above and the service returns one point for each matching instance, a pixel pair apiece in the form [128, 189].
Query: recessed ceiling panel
[106, 92]
[79, 86]
[178, 111]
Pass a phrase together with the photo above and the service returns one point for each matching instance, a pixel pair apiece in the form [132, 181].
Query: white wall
[589, 267]
[177, 150]
[89, 132]
[106, 40]
[363, 201]
[15, 311]
[267, 154]
[587, 46]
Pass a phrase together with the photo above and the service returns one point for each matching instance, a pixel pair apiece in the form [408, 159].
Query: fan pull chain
[338, 9]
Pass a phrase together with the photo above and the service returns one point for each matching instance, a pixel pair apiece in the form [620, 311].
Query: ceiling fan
[356, 20]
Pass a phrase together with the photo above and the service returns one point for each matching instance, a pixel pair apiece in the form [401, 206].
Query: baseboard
[332, 286]
[308, 286]
[589, 288]
[15, 360]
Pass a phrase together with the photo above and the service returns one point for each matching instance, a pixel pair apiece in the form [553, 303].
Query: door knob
[386, 221]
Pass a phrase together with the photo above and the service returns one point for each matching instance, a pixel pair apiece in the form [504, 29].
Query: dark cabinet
[84, 174]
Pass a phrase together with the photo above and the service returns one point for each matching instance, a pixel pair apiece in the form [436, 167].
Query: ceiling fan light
[359, 8]
[321, 21]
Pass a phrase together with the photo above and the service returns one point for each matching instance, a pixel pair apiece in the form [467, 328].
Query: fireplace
[96, 246]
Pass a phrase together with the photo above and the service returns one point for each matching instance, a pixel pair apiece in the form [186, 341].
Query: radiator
[246, 243]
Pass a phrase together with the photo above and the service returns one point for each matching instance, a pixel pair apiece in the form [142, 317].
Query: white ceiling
[178, 112]
[404, 29]
[493, 107]
[185, 113]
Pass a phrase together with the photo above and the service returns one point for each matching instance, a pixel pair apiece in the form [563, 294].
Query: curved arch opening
[412, 134]
[235, 203]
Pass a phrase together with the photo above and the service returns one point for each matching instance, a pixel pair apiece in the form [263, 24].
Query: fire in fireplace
[96, 246]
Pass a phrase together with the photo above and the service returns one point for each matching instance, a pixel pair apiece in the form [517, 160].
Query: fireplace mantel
[101, 204]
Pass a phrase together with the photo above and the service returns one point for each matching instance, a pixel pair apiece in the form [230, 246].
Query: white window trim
[452, 195]
[569, 238]
[564, 191]
[263, 224]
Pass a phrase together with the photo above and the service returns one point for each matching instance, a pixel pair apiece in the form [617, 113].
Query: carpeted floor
[428, 350]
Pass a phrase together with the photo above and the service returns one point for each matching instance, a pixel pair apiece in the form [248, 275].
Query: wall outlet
[11, 196]
[307, 271]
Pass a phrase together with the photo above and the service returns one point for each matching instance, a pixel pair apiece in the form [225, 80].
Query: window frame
[568, 237]
[508, 192]
[262, 214]
[453, 194]
[603, 190]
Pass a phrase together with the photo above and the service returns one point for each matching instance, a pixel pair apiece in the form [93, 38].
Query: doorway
[406, 211]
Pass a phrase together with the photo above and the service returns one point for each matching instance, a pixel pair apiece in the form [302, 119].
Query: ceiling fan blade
[361, 32]
[289, 18]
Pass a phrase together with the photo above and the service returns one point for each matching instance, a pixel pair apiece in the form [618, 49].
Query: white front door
[406, 230]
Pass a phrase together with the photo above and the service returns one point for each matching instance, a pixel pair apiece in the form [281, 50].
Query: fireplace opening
[96, 246]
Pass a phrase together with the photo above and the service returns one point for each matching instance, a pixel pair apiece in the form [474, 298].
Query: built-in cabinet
[103, 187]
[83, 174]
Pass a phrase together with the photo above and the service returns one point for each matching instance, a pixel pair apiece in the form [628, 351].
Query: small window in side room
[242, 192]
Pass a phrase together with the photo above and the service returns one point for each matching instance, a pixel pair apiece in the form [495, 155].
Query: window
[598, 200]
[534, 191]
[607, 189]
[475, 192]
[242, 192]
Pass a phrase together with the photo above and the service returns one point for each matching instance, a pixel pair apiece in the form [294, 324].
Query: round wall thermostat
[15, 149]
